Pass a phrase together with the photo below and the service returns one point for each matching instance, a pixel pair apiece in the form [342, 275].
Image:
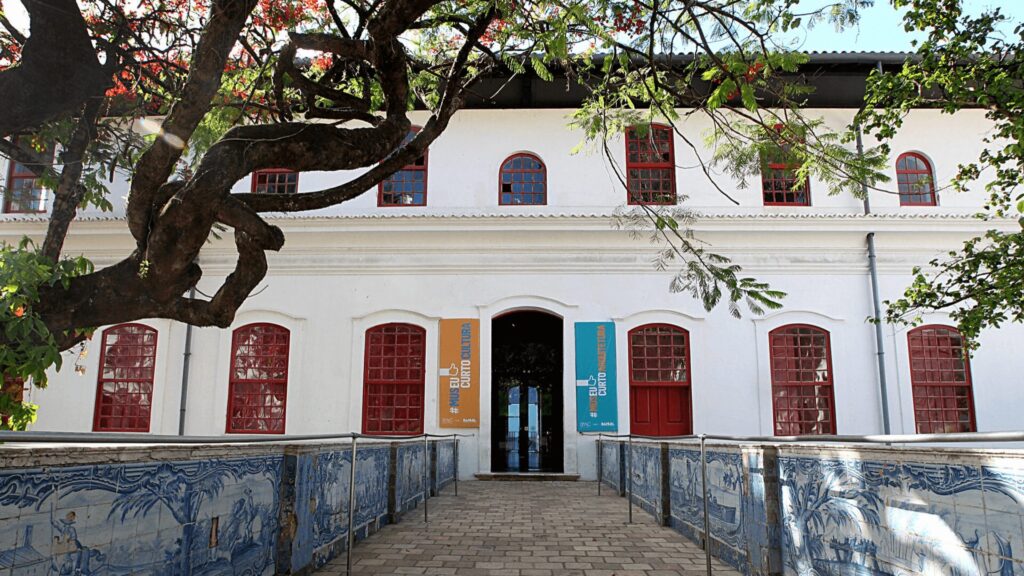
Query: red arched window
[659, 381]
[393, 378]
[914, 179]
[802, 399]
[780, 183]
[275, 181]
[650, 165]
[25, 193]
[258, 383]
[124, 389]
[408, 186]
[523, 181]
[940, 376]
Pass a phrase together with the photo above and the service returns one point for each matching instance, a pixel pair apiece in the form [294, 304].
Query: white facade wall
[350, 267]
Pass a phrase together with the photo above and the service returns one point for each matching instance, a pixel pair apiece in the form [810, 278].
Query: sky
[881, 28]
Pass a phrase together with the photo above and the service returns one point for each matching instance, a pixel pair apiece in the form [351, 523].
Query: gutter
[875, 300]
[186, 358]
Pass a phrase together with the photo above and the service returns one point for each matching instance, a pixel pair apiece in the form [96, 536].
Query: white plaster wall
[345, 269]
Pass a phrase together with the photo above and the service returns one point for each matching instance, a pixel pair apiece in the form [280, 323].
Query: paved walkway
[527, 529]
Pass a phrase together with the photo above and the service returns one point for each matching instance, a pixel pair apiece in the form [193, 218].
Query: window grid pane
[275, 182]
[124, 395]
[522, 181]
[914, 180]
[258, 386]
[941, 381]
[802, 394]
[394, 379]
[659, 380]
[25, 194]
[650, 166]
[780, 184]
[407, 186]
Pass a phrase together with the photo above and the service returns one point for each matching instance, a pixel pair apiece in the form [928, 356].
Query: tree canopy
[228, 87]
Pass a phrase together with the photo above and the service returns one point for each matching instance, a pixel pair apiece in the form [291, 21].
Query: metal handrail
[114, 438]
[889, 439]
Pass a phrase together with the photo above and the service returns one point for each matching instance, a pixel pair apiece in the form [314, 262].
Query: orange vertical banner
[459, 373]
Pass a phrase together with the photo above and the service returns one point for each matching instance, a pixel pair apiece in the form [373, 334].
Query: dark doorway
[526, 400]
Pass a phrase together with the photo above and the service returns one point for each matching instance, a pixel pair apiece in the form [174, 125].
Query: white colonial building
[485, 291]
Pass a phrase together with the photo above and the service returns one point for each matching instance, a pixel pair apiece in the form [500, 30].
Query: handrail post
[351, 508]
[630, 495]
[704, 490]
[455, 438]
[426, 483]
[600, 465]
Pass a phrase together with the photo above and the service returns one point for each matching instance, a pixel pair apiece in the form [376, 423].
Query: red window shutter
[915, 180]
[660, 402]
[393, 379]
[940, 377]
[258, 383]
[522, 181]
[407, 186]
[124, 387]
[650, 165]
[801, 364]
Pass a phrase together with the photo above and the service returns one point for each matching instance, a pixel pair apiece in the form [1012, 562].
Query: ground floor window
[660, 402]
[801, 364]
[393, 379]
[124, 390]
[940, 375]
[258, 384]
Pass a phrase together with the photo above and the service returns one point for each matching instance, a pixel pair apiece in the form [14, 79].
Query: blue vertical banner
[596, 399]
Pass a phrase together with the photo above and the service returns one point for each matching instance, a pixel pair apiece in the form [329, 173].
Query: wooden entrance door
[659, 381]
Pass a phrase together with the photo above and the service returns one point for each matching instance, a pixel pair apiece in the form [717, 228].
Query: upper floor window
[940, 378]
[408, 186]
[523, 181]
[275, 181]
[660, 402]
[914, 180]
[801, 364]
[258, 383]
[124, 387]
[25, 193]
[393, 379]
[650, 165]
[781, 185]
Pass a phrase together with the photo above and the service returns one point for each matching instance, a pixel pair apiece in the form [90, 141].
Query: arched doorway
[526, 399]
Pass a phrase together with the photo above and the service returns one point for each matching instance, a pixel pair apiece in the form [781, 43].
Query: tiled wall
[646, 473]
[181, 510]
[612, 465]
[799, 510]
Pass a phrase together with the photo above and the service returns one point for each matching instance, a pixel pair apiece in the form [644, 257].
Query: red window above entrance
[258, 383]
[407, 186]
[802, 399]
[275, 181]
[940, 375]
[914, 180]
[124, 390]
[393, 379]
[650, 165]
[522, 181]
[781, 185]
[659, 381]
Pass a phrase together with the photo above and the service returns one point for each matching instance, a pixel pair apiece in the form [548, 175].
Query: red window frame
[798, 397]
[940, 378]
[16, 173]
[394, 377]
[258, 381]
[660, 391]
[406, 176]
[778, 179]
[907, 178]
[528, 178]
[271, 179]
[646, 163]
[124, 385]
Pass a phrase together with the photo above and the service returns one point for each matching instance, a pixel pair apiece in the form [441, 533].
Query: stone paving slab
[527, 529]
